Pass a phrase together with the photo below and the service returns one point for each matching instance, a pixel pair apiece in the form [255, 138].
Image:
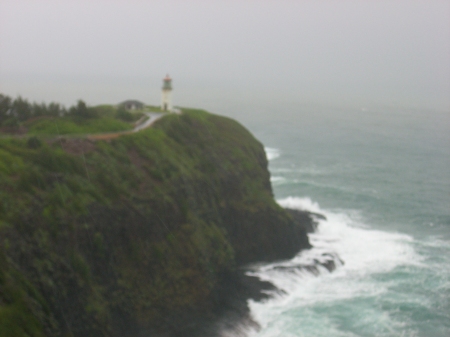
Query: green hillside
[136, 234]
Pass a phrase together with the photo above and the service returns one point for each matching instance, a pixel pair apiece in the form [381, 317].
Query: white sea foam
[365, 252]
[278, 180]
[303, 170]
[304, 204]
[271, 153]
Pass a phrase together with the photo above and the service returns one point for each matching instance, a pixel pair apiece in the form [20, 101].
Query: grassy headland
[139, 234]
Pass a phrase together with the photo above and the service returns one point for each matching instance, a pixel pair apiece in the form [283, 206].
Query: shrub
[81, 111]
[124, 115]
[34, 143]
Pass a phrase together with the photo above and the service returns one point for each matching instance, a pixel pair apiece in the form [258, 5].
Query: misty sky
[339, 52]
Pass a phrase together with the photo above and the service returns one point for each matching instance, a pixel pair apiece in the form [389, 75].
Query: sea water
[382, 179]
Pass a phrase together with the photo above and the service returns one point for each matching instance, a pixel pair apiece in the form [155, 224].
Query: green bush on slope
[133, 234]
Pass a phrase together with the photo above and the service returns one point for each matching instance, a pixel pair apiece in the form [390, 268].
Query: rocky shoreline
[231, 316]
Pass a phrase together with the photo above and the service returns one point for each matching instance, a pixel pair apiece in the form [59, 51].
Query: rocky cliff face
[140, 235]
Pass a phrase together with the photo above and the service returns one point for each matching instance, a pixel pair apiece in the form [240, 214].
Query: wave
[275, 180]
[271, 153]
[306, 170]
[343, 243]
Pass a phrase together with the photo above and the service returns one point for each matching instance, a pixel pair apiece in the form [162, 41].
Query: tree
[55, 110]
[40, 109]
[5, 107]
[124, 114]
[82, 111]
[21, 109]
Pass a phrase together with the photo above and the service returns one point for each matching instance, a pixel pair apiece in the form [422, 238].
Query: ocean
[382, 179]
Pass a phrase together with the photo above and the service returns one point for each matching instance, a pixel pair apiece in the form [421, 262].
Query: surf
[314, 286]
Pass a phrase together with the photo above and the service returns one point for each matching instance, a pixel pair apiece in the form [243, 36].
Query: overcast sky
[358, 52]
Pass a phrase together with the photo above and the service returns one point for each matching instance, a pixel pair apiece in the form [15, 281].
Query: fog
[228, 53]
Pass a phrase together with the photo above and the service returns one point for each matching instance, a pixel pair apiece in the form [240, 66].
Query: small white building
[132, 104]
[166, 95]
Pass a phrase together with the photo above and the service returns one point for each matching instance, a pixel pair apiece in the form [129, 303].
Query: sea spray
[272, 153]
[310, 299]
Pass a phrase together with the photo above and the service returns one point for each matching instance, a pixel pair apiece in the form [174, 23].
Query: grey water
[381, 176]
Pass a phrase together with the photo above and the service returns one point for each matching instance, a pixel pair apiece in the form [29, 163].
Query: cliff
[139, 235]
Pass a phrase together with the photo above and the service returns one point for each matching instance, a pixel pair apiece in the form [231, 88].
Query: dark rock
[307, 220]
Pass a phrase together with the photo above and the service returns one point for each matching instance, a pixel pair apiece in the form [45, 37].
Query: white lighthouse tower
[166, 95]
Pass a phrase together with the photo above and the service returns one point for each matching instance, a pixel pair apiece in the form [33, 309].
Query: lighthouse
[166, 95]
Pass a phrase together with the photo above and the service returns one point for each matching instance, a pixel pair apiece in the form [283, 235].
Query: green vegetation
[99, 238]
[20, 116]
[72, 126]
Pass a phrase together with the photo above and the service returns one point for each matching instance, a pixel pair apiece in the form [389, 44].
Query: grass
[98, 119]
[138, 216]
[71, 126]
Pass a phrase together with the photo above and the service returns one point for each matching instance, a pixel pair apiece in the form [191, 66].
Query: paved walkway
[152, 117]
